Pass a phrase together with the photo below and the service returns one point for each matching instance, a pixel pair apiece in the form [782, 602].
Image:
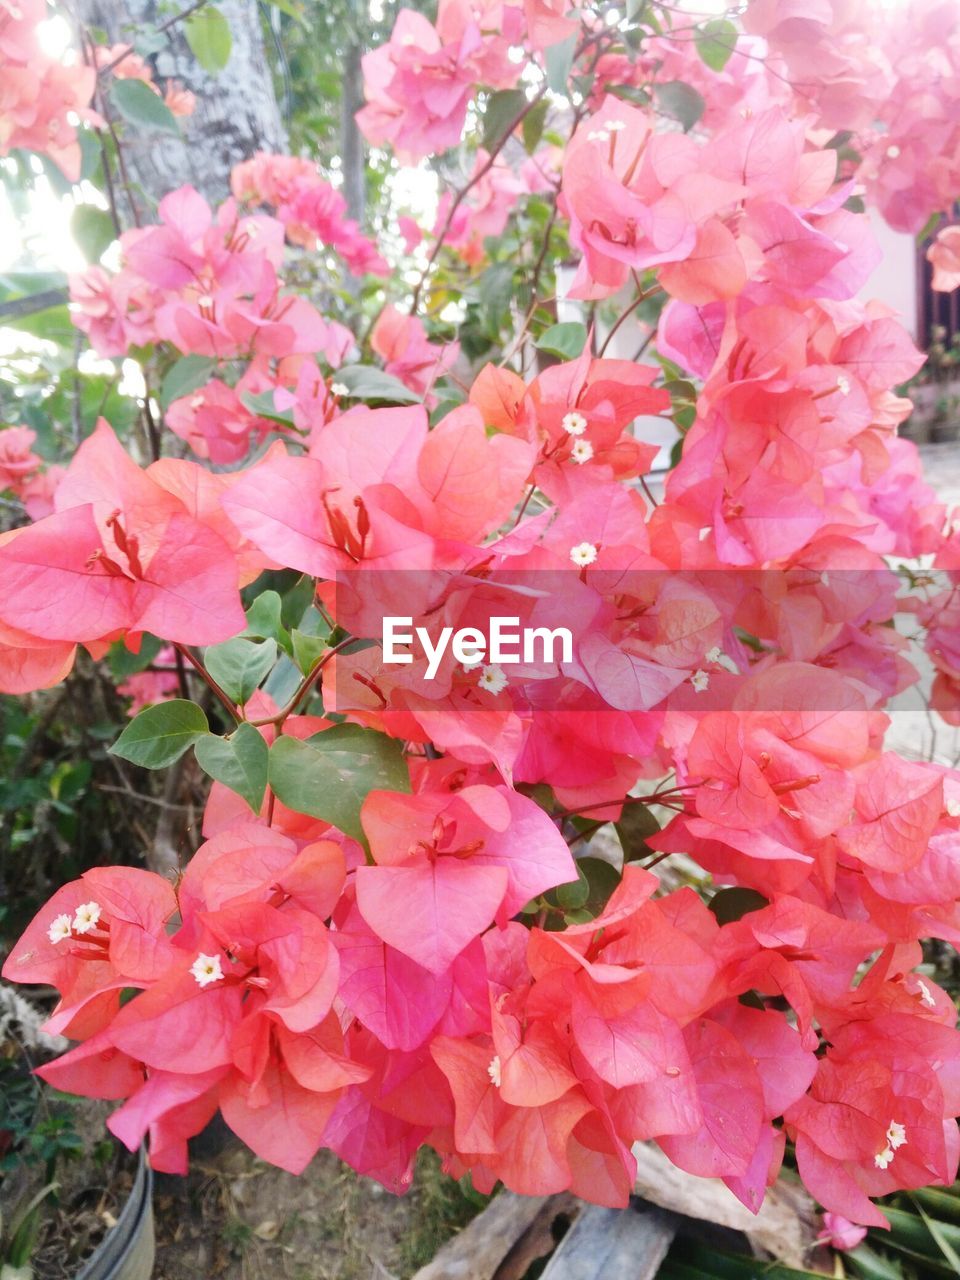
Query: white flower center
[339, 389]
[843, 385]
[204, 300]
[896, 1135]
[893, 152]
[583, 553]
[615, 126]
[492, 679]
[60, 929]
[206, 969]
[574, 423]
[493, 1071]
[86, 917]
[700, 680]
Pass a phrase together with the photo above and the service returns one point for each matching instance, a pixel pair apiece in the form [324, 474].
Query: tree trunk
[236, 112]
[351, 141]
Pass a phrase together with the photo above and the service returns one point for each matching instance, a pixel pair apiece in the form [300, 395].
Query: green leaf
[681, 101]
[208, 35]
[602, 878]
[733, 904]
[139, 105]
[161, 734]
[262, 405]
[239, 666]
[566, 340]
[501, 110]
[189, 373]
[239, 761]
[93, 230]
[636, 823]
[365, 382]
[330, 776]
[716, 41]
[264, 620]
[307, 650]
[558, 60]
[574, 895]
[533, 123]
[123, 663]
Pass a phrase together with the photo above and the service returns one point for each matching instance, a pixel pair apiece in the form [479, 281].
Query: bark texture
[236, 112]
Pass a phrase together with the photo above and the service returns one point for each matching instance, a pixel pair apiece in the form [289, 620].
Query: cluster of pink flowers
[891, 74]
[42, 99]
[439, 968]
[310, 209]
[24, 473]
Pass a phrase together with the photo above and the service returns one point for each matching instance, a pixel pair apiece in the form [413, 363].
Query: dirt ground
[237, 1218]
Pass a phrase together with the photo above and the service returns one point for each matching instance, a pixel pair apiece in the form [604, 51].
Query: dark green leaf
[602, 878]
[733, 904]
[365, 382]
[533, 123]
[239, 666]
[636, 824]
[330, 776]
[92, 229]
[716, 41]
[123, 663]
[208, 35]
[501, 110]
[574, 895]
[188, 374]
[139, 105]
[161, 734]
[240, 762]
[681, 101]
[566, 340]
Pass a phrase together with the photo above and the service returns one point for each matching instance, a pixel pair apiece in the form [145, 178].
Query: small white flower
[893, 152]
[598, 135]
[896, 1135]
[206, 969]
[197, 402]
[583, 553]
[615, 126]
[493, 1071]
[714, 654]
[843, 385]
[704, 533]
[253, 228]
[339, 389]
[86, 917]
[926, 995]
[581, 452]
[721, 659]
[492, 679]
[953, 808]
[883, 1158]
[60, 929]
[204, 300]
[574, 423]
[700, 681]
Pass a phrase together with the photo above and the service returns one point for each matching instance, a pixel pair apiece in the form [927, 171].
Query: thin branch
[17, 308]
[164, 26]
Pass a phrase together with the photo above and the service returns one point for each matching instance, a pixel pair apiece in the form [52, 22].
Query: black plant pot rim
[115, 1249]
